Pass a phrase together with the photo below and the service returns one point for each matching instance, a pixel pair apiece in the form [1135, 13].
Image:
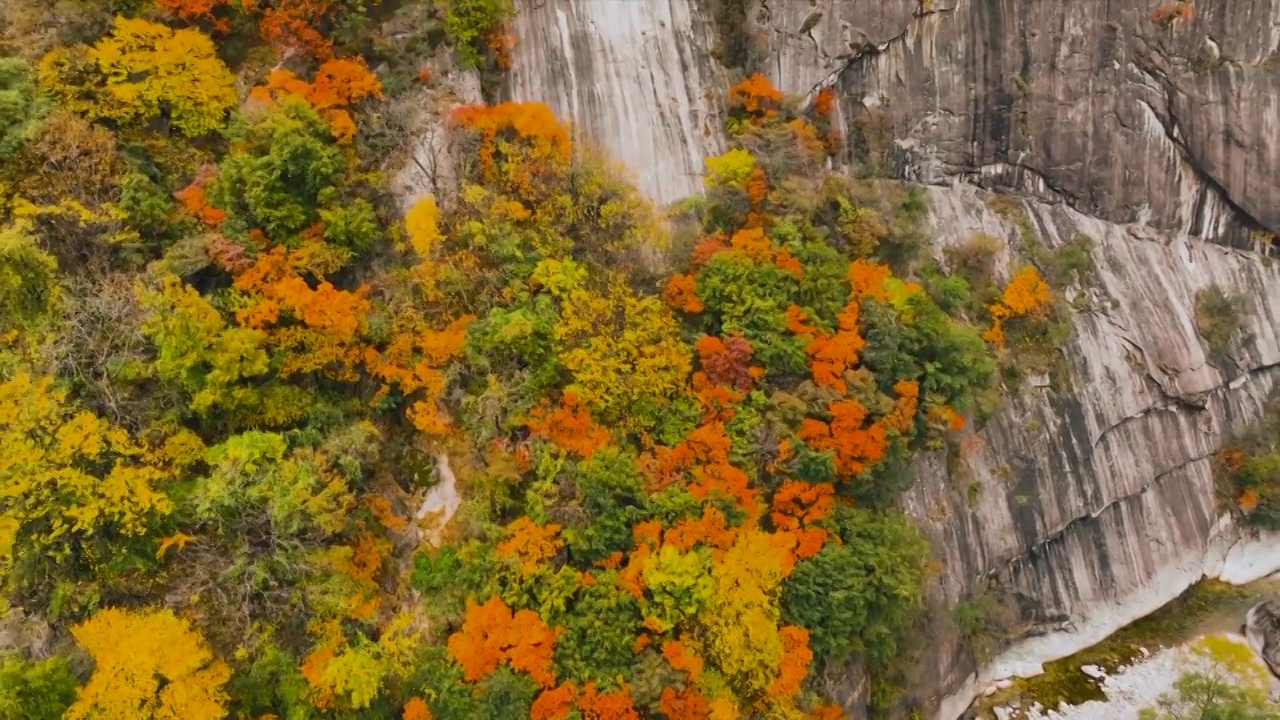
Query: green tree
[1211, 696]
[35, 690]
[285, 167]
[28, 280]
[21, 106]
[469, 24]
[860, 595]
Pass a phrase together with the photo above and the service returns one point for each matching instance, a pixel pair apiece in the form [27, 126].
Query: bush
[1219, 318]
[985, 621]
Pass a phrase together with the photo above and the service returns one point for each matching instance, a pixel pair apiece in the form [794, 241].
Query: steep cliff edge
[1157, 138]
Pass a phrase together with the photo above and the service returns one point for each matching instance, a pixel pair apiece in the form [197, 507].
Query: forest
[233, 363]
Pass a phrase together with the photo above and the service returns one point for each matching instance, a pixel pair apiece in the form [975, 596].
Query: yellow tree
[148, 664]
[68, 479]
[142, 71]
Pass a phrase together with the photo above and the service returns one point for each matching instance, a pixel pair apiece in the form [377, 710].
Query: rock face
[1262, 628]
[1095, 505]
[1126, 115]
[1157, 138]
[636, 74]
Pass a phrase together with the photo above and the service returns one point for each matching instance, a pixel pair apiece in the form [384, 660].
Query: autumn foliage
[492, 635]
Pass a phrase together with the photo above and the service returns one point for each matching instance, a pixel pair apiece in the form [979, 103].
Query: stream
[1130, 670]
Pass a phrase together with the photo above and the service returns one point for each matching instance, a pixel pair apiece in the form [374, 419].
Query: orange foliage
[1248, 500]
[380, 508]
[1232, 459]
[796, 317]
[193, 200]
[754, 245]
[799, 503]
[1167, 13]
[682, 658]
[531, 544]
[856, 448]
[683, 705]
[416, 709]
[682, 295]
[500, 42]
[545, 138]
[614, 705]
[707, 247]
[555, 703]
[946, 415]
[569, 427]
[331, 319]
[312, 669]
[824, 102]
[827, 712]
[757, 190]
[338, 85]
[642, 642]
[291, 26]
[711, 529]
[756, 97]
[490, 635]
[195, 10]
[796, 657]
[704, 455]
[1026, 294]
[830, 355]
[412, 360]
[903, 415]
[867, 279]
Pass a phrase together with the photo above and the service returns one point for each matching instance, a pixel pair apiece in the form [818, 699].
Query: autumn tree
[143, 71]
[492, 635]
[148, 664]
[74, 486]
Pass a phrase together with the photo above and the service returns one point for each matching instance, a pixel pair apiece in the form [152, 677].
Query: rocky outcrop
[1262, 629]
[635, 74]
[1089, 505]
[1094, 505]
[1099, 102]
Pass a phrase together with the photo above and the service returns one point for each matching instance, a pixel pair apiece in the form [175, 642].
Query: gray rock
[1262, 629]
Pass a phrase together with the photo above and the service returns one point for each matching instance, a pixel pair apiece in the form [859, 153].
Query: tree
[1211, 696]
[35, 690]
[859, 594]
[21, 107]
[148, 664]
[28, 280]
[143, 71]
[285, 167]
[491, 635]
[198, 352]
[72, 486]
[472, 24]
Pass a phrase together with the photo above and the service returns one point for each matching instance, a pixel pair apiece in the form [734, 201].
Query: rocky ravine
[1160, 142]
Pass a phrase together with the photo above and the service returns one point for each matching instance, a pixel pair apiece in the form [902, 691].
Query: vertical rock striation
[635, 74]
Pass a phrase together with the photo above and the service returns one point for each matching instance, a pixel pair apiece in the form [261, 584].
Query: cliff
[1155, 136]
